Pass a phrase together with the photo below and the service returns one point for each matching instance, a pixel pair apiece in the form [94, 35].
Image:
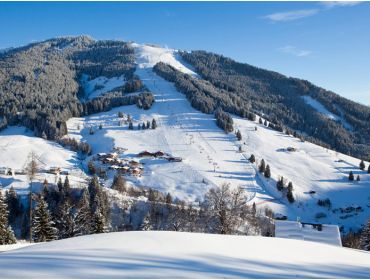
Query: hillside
[196, 155]
[182, 255]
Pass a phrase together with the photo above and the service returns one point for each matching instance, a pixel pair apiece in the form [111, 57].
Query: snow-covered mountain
[182, 255]
[209, 156]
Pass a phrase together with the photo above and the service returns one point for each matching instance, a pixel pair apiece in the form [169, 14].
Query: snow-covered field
[100, 85]
[183, 255]
[16, 144]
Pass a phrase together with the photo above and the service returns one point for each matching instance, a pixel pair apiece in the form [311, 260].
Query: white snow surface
[211, 157]
[16, 143]
[183, 255]
[100, 85]
[328, 234]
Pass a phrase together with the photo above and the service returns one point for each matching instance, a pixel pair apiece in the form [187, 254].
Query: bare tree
[225, 208]
[32, 166]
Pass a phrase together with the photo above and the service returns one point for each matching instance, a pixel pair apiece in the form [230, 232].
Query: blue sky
[326, 43]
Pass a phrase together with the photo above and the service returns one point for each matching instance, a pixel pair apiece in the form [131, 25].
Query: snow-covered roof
[328, 234]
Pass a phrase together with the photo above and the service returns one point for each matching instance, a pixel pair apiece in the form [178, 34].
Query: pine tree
[290, 196]
[147, 124]
[6, 233]
[91, 131]
[146, 223]
[130, 125]
[262, 166]
[351, 177]
[365, 237]
[13, 203]
[119, 183]
[65, 221]
[82, 219]
[252, 158]
[238, 135]
[265, 123]
[154, 124]
[280, 184]
[139, 126]
[260, 121]
[358, 178]
[66, 185]
[43, 228]
[98, 223]
[267, 172]
[368, 169]
[91, 167]
[60, 185]
[254, 209]
[168, 199]
[362, 165]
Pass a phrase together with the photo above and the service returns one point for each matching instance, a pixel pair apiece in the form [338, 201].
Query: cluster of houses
[125, 166]
[159, 154]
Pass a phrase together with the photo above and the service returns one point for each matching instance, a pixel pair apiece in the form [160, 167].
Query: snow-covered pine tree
[65, 222]
[82, 219]
[267, 172]
[280, 184]
[66, 185]
[362, 165]
[146, 224]
[119, 183]
[154, 124]
[98, 223]
[238, 135]
[43, 228]
[6, 233]
[262, 166]
[289, 195]
[14, 206]
[351, 177]
[365, 237]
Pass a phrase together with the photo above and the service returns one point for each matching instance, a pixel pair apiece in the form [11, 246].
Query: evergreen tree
[119, 183]
[146, 223]
[168, 199]
[368, 169]
[43, 228]
[238, 135]
[260, 120]
[262, 166]
[91, 167]
[66, 185]
[254, 209]
[154, 124]
[13, 203]
[91, 131]
[265, 123]
[365, 237]
[98, 223]
[143, 126]
[267, 172]
[6, 233]
[290, 196]
[280, 184]
[130, 125]
[139, 126]
[147, 124]
[351, 177]
[362, 165]
[65, 222]
[358, 178]
[252, 158]
[60, 185]
[82, 219]
[120, 114]
[100, 126]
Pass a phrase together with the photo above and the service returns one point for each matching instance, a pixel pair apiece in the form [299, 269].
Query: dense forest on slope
[279, 98]
[39, 83]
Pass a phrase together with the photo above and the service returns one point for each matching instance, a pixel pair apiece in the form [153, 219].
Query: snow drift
[182, 255]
